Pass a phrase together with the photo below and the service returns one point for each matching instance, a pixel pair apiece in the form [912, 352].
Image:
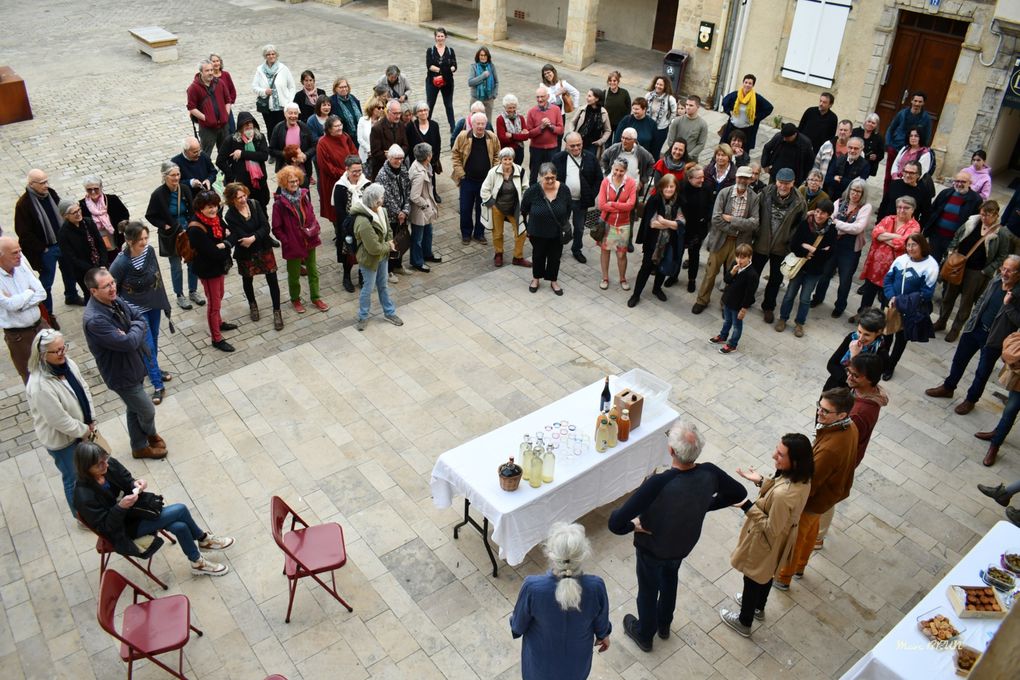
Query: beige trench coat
[770, 529]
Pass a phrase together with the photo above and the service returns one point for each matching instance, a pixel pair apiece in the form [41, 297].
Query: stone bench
[158, 43]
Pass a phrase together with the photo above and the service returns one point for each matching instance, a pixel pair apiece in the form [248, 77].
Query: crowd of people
[621, 170]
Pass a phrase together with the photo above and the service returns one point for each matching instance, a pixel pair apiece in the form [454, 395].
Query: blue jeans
[656, 598]
[729, 316]
[844, 260]
[471, 208]
[421, 244]
[177, 520]
[375, 279]
[48, 273]
[176, 277]
[804, 283]
[1008, 418]
[152, 359]
[64, 460]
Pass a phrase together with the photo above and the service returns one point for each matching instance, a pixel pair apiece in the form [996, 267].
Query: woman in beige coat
[424, 210]
[770, 529]
[60, 404]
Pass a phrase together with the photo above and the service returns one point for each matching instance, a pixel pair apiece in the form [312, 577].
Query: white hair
[477, 107]
[507, 152]
[872, 117]
[291, 106]
[567, 548]
[395, 150]
[372, 196]
[685, 442]
[629, 132]
[510, 99]
[188, 140]
[91, 180]
[542, 89]
[478, 115]
[40, 348]
[266, 49]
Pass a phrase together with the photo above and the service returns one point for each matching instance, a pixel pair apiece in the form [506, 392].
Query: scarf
[347, 111]
[213, 223]
[46, 214]
[675, 166]
[867, 349]
[100, 214]
[591, 128]
[748, 100]
[844, 214]
[64, 371]
[353, 191]
[512, 124]
[295, 198]
[658, 107]
[93, 246]
[312, 97]
[818, 231]
[483, 90]
[255, 172]
[270, 73]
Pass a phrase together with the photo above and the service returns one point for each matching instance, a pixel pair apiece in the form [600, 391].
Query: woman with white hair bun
[274, 88]
[562, 613]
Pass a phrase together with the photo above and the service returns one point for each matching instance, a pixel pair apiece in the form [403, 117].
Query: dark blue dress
[558, 644]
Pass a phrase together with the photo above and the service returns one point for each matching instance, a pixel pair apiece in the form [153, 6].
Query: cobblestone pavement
[347, 425]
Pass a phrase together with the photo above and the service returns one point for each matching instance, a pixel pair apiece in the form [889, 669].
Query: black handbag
[148, 506]
[566, 226]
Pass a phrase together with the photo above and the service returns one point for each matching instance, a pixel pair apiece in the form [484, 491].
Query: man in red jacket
[209, 106]
[544, 123]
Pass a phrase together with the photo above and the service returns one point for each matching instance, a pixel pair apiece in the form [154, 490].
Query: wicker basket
[509, 483]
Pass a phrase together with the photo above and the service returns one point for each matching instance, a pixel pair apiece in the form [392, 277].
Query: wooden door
[665, 25]
[923, 57]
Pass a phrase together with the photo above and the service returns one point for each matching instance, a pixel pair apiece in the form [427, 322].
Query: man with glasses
[582, 175]
[950, 210]
[116, 333]
[913, 116]
[197, 170]
[544, 124]
[37, 222]
[833, 148]
[835, 456]
[846, 168]
[908, 185]
[20, 295]
[995, 316]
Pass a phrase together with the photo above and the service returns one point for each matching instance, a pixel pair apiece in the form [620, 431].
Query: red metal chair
[106, 552]
[149, 628]
[309, 551]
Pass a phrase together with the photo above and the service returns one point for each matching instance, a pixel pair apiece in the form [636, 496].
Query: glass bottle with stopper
[535, 475]
[623, 426]
[602, 435]
[548, 465]
[525, 453]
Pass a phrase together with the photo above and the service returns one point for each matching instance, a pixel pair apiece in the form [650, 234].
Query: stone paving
[346, 425]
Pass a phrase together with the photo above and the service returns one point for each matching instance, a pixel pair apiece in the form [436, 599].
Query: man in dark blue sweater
[666, 514]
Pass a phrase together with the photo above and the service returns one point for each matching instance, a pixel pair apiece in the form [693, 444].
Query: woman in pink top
[616, 200]
[888, 241]
[980, 177]
[915, 150]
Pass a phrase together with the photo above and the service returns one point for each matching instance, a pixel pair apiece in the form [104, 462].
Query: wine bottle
[606, 397]
[548, 465]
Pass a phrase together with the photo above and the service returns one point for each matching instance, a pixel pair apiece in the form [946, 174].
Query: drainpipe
[722, 79]
[745, 12]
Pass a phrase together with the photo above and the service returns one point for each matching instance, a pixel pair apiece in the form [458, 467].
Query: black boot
[348, 284]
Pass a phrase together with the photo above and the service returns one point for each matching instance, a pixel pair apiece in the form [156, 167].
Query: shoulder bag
[566, 227]
[955, 264]
[791, 265]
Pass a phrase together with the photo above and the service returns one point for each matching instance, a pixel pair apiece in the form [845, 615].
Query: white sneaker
[197, 298]
[393, 278]
[206, 567]
[183, 303]
[215, 542]
[759, 615]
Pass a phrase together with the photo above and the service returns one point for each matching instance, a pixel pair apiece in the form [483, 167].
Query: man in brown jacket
[474, 153]
[835, 455]
[385, 133]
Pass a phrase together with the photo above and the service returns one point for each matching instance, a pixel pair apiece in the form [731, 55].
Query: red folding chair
[152, 627]
[309, 551]
[106, 552]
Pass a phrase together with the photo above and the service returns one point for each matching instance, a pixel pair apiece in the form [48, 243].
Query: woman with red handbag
[297, 229]
[441, 63]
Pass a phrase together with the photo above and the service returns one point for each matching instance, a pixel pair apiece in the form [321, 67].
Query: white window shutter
[815, 40]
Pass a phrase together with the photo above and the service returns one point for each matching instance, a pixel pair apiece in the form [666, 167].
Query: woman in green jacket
[375, 242]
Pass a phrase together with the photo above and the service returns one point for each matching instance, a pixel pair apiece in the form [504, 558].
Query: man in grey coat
[782, 209]
[734, 221]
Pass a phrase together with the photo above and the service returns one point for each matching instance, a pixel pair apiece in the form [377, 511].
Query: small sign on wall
[1012, 96]
[705, 34]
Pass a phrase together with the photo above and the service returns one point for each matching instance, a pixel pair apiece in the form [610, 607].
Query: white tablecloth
[521, 519]
[904, 652]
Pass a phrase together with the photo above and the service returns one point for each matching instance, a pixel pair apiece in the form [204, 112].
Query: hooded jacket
[864, 415]
[373, 234]
[774, 239]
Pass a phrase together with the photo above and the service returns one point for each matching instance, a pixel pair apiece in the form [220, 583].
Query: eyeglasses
[61, 351]
[41, 182]
[92, 190]
[73, 211]
[961, 181]
[549, 178]
[824, 411]
[910, 172]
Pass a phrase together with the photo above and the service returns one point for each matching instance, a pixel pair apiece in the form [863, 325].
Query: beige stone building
[869, 53]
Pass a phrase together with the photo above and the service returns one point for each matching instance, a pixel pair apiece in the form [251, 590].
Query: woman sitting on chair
[106, 498]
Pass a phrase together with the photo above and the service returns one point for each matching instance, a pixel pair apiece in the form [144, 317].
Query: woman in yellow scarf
[746, 109]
